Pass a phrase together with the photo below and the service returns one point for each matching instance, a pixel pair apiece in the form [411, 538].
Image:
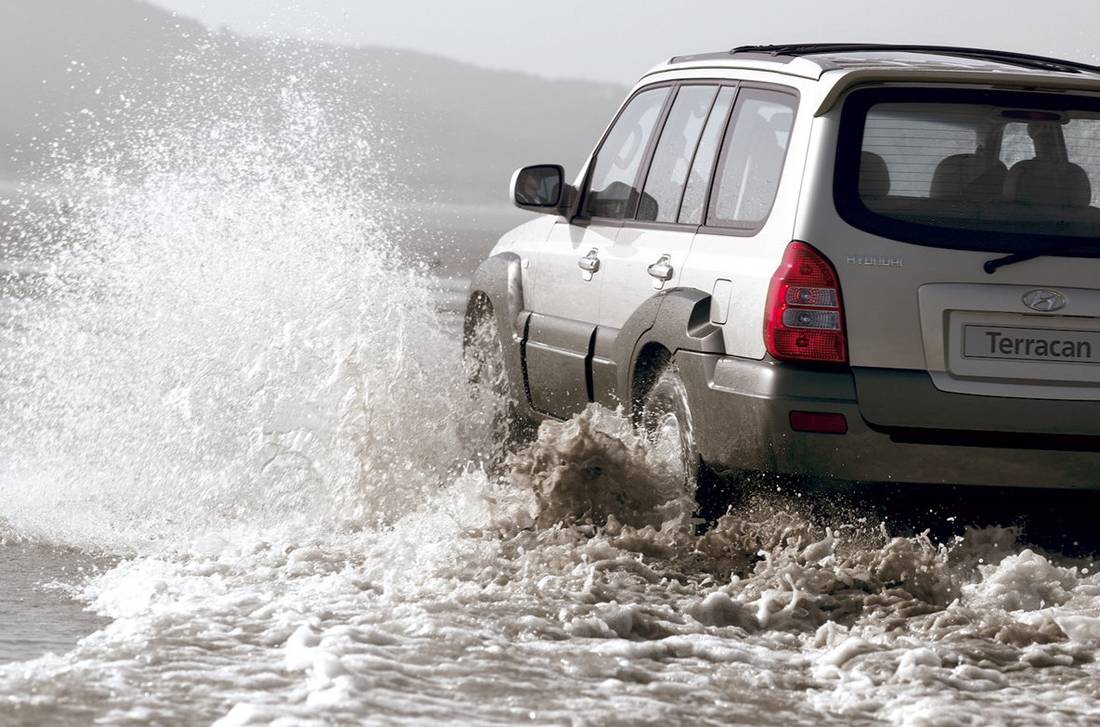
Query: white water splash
[225, 333]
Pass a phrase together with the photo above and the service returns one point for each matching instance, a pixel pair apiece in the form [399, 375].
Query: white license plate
[1031, 344]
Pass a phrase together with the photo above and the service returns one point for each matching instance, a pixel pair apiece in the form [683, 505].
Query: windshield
[972, 170]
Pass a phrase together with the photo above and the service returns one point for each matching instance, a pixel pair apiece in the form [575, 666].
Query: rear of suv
[860, 262]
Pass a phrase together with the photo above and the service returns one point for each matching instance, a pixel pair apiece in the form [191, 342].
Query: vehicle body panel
[626, 280]
[566, 302]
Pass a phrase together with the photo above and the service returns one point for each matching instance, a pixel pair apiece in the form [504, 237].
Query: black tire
[487, 374]
[483, 350]
[665, 415]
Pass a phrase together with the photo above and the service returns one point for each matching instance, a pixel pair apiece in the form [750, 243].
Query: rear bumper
[742, 421]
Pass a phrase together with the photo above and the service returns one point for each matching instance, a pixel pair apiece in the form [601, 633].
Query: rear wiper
[992, 266]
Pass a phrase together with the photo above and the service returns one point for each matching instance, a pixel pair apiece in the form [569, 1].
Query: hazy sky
[619, 39]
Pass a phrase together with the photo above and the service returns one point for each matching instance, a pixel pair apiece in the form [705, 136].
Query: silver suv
[862, 262]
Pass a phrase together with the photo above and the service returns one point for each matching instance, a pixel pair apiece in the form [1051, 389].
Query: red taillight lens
[805, 314]
[819, 422]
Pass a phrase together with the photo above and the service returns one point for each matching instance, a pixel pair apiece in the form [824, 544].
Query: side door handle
[661, 271]
[590, 263]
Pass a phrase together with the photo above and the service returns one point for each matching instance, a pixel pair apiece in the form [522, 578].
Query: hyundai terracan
[861, 262]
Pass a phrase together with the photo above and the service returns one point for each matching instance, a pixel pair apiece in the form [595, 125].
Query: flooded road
[467, 610]
[236, 399]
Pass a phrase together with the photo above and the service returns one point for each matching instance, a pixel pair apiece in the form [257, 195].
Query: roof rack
[1018, 59]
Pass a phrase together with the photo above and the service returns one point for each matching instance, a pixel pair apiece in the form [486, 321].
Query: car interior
[1040, 188]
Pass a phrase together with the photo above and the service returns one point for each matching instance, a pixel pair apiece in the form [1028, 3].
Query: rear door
[567, 273]
[650, 250]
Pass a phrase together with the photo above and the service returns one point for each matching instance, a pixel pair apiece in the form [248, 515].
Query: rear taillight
[805, 313]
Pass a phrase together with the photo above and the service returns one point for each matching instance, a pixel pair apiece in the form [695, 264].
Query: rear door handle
[661, 270]
[590, 263]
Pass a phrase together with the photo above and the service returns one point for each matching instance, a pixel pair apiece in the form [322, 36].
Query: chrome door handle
[662, 269]
[590, 263]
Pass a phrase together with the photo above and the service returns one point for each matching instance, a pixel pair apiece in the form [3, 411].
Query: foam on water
[463, 609]
[232, 380]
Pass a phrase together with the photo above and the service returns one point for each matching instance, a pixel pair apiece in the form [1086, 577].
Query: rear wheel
[666, 420]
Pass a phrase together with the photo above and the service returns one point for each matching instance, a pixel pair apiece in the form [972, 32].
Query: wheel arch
[496, 288]
[498, 282]
[669, 322]
[649, 362]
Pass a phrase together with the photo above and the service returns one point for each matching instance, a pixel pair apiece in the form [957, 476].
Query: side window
[612, 191]
[668, 174]
[695, 196]
[752, 159]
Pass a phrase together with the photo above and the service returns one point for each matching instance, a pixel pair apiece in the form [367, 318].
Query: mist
[617, 41]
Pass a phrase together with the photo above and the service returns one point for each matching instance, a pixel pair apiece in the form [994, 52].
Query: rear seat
[968, 177]
[964, 187]
[1041, 190]
[1041, 183]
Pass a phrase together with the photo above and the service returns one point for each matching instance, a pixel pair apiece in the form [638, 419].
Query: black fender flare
[677, 319]
[499, 278]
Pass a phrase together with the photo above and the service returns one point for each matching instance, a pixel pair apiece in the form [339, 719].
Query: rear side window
[695, 196]
[752, 159]
[980, 170]
[612, 190]
[668, 174]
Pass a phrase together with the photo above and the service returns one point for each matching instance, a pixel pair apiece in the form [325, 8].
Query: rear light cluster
[805, 313]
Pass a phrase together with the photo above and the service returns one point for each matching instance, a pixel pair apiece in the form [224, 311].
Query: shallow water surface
[39, 613]
[488, 605]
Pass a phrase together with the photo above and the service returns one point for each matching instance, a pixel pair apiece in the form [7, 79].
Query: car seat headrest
[874, 176]
[1048, 183]
[968, 177]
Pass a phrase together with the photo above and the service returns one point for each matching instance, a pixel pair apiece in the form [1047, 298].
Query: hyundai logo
[1045, 301]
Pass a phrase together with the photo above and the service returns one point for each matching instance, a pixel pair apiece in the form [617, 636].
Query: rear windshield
[972, 170]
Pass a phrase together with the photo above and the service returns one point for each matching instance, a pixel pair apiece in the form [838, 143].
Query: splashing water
[228, 376]
[225, 332]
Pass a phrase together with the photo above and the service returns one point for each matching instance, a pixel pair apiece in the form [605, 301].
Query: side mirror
[541, 188]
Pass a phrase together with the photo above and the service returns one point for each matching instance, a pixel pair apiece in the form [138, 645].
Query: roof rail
[1019, 59]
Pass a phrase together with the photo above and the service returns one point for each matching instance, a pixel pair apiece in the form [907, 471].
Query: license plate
[1031, 344]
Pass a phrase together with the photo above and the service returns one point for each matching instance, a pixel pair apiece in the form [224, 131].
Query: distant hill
[456, 130]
